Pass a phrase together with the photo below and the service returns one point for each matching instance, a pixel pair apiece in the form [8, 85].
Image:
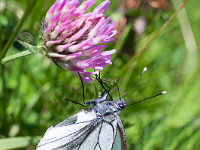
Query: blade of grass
[186, 132]
[123, 37]
[17, 28]
[144, 48]
[191, 57]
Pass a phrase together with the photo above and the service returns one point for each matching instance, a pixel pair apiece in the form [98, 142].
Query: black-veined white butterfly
[96, 128]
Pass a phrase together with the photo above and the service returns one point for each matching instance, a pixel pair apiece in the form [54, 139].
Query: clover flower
[74, 39]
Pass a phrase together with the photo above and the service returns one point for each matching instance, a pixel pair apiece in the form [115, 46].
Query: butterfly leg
[82, 88]
[102, 84]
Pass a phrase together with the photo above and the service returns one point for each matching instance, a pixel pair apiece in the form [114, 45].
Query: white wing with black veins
[102, 137]
[69, 133]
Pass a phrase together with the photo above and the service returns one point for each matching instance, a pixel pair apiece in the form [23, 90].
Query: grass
[32, 86]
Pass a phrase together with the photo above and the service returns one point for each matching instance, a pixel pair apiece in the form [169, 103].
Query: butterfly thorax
[104, 107]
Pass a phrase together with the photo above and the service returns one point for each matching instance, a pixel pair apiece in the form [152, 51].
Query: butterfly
[94, 128]
[97, 127]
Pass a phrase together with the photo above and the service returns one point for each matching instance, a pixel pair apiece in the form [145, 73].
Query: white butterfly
[95, 128]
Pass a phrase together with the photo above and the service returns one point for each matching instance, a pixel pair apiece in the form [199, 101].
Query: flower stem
[17, 28]
[144, 48]
[16, 56]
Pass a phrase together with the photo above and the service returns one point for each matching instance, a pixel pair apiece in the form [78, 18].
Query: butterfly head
[121, 103]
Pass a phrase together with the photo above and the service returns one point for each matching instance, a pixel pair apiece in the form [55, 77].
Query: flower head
[74, 39]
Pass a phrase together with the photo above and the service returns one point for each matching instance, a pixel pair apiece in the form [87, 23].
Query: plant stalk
[144, 48]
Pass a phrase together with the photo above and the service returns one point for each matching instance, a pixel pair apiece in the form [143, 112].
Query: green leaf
[18, 142]
[28, 46]
[31, 50]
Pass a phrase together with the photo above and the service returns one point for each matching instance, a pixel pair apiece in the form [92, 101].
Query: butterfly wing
[107, 135]
[69, 133]
[121, 133]
[84, 130]
[101, 138]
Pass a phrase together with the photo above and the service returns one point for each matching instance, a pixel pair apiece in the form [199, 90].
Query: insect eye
[121, 105]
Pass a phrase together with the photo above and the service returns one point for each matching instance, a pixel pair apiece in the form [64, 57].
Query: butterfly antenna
[82, 88]
[145, 69]
[164, 92]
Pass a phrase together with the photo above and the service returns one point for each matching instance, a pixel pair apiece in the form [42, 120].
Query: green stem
[17, 28]
[16, 56]
[119, 46]
[144, 48]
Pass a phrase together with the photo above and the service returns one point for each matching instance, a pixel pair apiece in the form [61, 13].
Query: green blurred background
[33, 89]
